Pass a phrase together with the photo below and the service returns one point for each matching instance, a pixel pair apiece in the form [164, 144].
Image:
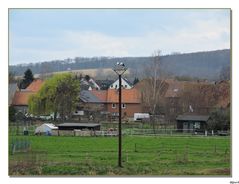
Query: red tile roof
[128, 96]
[100, 94]
[21, 97]
[112, 95]
[35, 86]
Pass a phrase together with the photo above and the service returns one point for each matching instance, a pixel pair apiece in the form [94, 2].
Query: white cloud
[202, 35]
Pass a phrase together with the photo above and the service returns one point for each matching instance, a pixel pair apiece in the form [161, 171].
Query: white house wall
[125, 85]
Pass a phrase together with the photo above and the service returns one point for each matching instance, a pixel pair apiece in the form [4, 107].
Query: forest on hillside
[203, 65]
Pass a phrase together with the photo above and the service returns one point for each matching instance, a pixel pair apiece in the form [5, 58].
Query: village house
[21, 97]
[12, 88]
[131, 101]
[104, 84]
[89, 84]
[124, 84]
[106, 101]
[20, 101]
[187, 97]
[196, 97]
[89, 104]
[95, 101]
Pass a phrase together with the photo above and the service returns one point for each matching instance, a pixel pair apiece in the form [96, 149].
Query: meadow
[141, 155]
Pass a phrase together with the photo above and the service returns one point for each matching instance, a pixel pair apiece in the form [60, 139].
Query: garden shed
[191, 123]
[45, 129]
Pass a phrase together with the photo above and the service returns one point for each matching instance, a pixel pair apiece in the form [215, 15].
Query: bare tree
[45, 71]
[100, 74]
[153, 85]
[11, 77]
[225, 73]
[199, 98]
[152, 72]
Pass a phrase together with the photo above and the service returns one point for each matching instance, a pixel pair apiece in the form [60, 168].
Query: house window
[197, 125]
[116, 86]
[125, 86]
[113, 106]
[123, 106]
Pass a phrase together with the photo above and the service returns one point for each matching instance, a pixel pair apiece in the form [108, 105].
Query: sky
[37, 35]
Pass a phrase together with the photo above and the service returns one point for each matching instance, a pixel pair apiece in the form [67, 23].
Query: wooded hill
[203, 65]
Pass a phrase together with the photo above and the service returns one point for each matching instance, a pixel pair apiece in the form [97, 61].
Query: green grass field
[151, 156]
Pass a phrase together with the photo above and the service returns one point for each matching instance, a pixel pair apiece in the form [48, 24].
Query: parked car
[141, 116]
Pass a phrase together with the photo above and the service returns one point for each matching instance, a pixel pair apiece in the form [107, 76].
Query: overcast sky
[37, 35]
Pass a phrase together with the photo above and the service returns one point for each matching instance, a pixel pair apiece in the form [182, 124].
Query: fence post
[186, 154]
[13, 148]
[127, 156]
[205, 132]
[212, 133]
[135, 150]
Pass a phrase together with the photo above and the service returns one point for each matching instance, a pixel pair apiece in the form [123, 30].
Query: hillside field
[142, 155]
[91, 72]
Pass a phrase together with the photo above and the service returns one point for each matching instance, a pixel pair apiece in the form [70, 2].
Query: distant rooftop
[192, 118]
[78, 125]
[12, 88]
[35, 86]
[88, 96]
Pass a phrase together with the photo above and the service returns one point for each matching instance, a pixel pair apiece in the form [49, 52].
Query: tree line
[207, 65]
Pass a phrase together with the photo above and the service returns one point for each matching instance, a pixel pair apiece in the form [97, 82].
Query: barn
[45, 129]
[79, 126]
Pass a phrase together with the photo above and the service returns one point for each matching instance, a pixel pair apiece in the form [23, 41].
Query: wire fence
[19, 145]
[28, 163]
[173, 132]
[25, 160]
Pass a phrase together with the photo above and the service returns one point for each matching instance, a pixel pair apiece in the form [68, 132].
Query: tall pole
[119, 157]
[119, 70]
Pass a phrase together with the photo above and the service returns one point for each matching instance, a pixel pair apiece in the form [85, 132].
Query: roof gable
[124, 82]
[88, 96]
[100, 94]
[35, 86]
[22, 97]
[111, 96]
[128, 96]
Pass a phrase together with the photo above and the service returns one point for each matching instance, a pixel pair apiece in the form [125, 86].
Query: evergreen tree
[12, 113]
[87, 77]
[28, 78]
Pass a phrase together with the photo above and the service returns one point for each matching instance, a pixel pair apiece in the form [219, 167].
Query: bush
[219, 120]
[12, 112]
